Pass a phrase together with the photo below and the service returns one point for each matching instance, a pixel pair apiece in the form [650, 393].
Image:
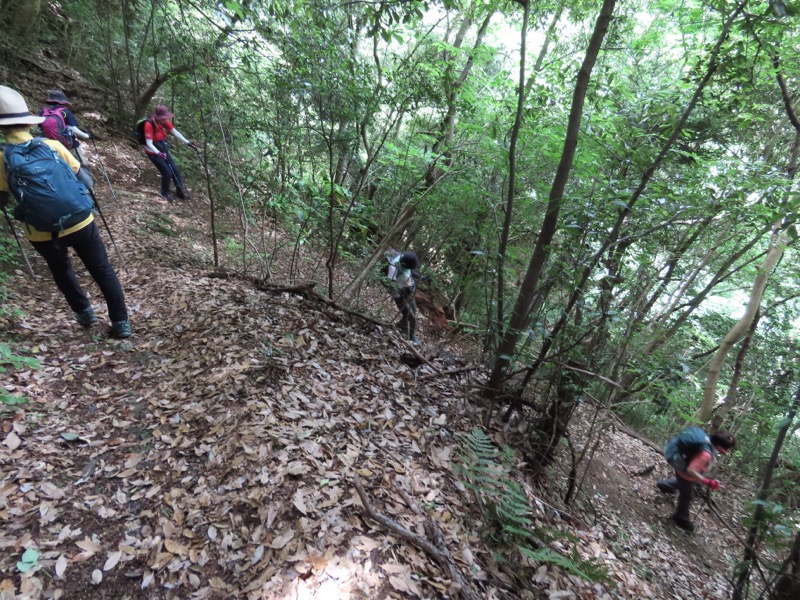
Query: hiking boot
[684, 524]
[167, 197]
[414, 340]
[120, 330]
[666, 487]
[86, 318]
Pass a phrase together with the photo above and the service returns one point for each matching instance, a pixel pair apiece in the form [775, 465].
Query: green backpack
[682, 448]
[138, 130]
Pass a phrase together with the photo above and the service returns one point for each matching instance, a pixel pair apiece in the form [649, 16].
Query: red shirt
[699, 463]
[159, 132]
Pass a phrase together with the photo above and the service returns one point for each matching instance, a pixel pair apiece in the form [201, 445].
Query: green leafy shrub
[9, 359]
[486, 471]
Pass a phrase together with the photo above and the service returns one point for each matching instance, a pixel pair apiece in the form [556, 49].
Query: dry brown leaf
[89, 546]
[283, 539]
[12, 441]
[112, 560]
[61, 566]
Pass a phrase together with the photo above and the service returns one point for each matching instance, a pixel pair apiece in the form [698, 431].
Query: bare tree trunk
[777, 247]
[512, 163]
[141, 103]
[433, 174]
[526, 297]
[738, 366]
[750, 555]
[23, 15]
[788, 585]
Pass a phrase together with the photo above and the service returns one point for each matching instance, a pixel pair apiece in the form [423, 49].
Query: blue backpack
[682, 448]
[49, 196]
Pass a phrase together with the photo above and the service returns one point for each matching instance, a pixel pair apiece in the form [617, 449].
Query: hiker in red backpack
[55, 205]
[691, 452]
[61, 125]
[155, 130]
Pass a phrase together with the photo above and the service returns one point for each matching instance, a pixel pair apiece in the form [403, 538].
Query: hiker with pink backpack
[61, 125]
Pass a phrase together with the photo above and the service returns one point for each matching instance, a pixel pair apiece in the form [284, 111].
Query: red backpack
[55, 126]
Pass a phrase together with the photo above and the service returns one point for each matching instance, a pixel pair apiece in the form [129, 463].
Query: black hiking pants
[169, 171]
[90, 249]
[404, 299]
[685, 497]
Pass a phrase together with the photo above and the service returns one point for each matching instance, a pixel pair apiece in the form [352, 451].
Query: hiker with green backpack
[152, 133]
[55, 205]
[691, 453]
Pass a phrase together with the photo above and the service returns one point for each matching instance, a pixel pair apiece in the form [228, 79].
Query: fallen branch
[432, 530]
[421, 358]
[349, 311]
[449, 372]
[442, 557]
[638, 436]
[305, 289]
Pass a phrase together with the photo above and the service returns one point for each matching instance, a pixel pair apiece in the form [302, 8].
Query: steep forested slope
[213, 454]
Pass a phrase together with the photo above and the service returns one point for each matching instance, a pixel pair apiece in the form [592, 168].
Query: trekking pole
[19, 245]
[108, 229]
[180, 187]
[103, 169]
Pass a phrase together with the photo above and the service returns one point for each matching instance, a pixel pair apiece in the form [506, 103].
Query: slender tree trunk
[24, 15]
[738, 367]
[787, 587]
[750, 554]
[433, 174]
[512, 163]
[527, 294]
[141, 103]
[777, 247]
[526, 297]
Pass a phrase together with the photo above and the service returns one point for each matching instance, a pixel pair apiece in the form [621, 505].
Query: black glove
[89, 133]
[192, 145]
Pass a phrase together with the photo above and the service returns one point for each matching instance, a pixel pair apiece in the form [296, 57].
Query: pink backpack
[55, 126]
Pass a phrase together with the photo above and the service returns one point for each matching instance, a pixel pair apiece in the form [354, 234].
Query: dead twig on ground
[441, 556]
[449, 372]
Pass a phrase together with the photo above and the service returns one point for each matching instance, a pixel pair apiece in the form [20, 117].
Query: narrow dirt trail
[212, 454]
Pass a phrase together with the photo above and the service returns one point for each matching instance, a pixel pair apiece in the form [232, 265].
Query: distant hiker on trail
[55, 207]
[61, 125]
[403, 288]
[691, 453]
[154, 130]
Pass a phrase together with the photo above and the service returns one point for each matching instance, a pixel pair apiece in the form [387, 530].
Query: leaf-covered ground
[212, 455]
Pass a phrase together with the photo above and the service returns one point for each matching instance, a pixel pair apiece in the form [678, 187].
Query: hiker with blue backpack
[152, 132]
[54, 203]
[61, 125]
[691, 453]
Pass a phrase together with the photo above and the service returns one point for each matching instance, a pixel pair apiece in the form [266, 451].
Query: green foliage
[9, 359]
[487, 472]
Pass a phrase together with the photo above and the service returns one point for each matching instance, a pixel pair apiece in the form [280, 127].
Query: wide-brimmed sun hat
[57, 97]
[161, 112]
[13, 110]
